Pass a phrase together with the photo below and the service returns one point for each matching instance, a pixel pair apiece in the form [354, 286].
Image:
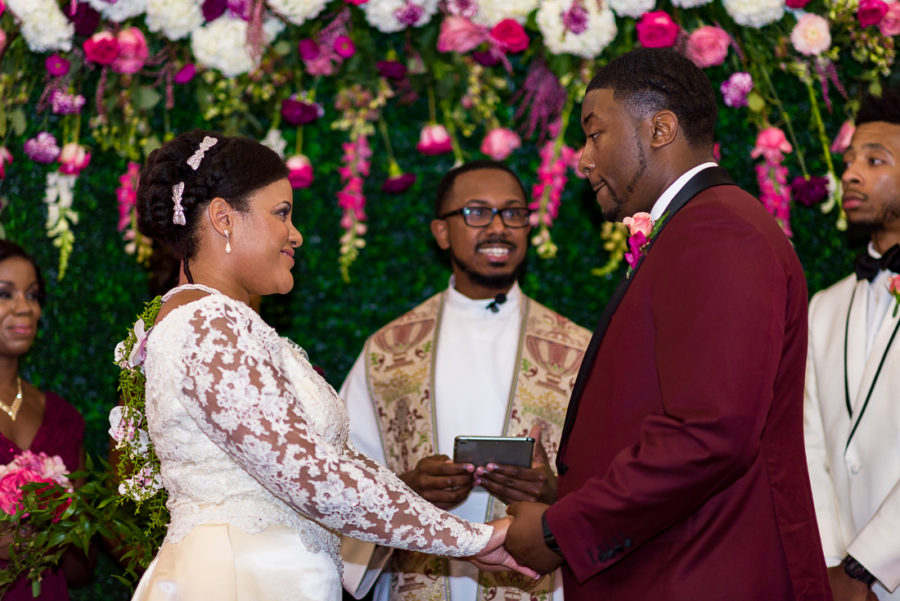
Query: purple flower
[392, 70]
[344, 47]
[308, 49]
[213, 9]
[809, 192]
[42, 148]
[486, 59]
[56, 65]
[66, 104]
[576, 18]
[410, 14]
[736, 88]
[300, 112]
[186, 73]
[84, 18]
[398, 183]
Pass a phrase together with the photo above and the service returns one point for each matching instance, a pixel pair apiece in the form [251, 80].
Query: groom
[682, 473]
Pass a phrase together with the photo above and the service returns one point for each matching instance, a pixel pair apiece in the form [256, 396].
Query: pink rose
[5, 158]
[510, 36]
[810, 35]
[796, 3]
[889, 24]
[101, 48]
[500, 142]
[11, 488]
[842, 140]
[434, 139]
[771, 144]
[132, 51]
[300, 171]
[871, 12]
[639, 222]
[73, 159]
[458, 34]
[657, 30]
[708, 46]
[895, 285]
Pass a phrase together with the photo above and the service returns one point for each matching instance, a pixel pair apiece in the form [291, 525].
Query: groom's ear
[663, 129]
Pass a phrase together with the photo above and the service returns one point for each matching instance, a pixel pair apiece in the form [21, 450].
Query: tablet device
[481, 450]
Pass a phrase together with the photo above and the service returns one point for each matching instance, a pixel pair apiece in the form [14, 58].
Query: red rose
[871, 12]
[510, 36]
[101, 48]
[657, 30]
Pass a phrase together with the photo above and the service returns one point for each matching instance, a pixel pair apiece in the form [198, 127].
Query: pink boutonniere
[894, 287]
[641, 230]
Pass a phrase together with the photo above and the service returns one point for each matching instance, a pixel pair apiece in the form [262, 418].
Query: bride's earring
[227, 243]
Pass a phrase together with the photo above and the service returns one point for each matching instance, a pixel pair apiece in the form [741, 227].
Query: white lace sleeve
[237, 389]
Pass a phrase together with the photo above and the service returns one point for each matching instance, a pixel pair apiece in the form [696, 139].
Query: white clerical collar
[662, 203]
[478, 307]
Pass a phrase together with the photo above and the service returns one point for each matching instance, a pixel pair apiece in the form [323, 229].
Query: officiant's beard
[491, 281]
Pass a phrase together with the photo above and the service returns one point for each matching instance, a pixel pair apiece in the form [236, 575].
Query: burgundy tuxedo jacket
[683, 473]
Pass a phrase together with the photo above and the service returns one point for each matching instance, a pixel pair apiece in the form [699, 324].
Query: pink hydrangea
[656, 29]
[707, 46]
[811, 35]
[500, 142]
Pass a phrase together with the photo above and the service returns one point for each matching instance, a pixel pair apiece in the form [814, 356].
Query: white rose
[754, 13]
[382, 14]
[43, 25]
[176, 19]
[631, 8]
[297, 11]
[120, 10]
[601, 29]
[491, 12]
[222, 44]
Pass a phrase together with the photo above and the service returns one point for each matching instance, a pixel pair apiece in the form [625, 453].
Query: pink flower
[2, 38]
[186, 73]
[356, 2]
[842, 140]
[656, 29]
[344, 47]
[11, 488]
[126, 194]
[66, 104]
[771, 144]
[132, 51]
[300, 171]
[736, 88]
[810, 35]
[73, 159]
[708, 46]
[894, 286]
[42, 148]
[308, 49]
[889, 24]
[639, 223]
[871, 12]
[796, 3]
[500, 142]
[5, 159]
[101, 48]
[458, 34]
[510, 36]
[434, 139]
[56, 65]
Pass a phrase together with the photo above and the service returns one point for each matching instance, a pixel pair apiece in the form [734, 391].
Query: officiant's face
[871, 178]
[614, 158]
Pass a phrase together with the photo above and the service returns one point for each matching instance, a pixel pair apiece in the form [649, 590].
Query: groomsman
[852, 419]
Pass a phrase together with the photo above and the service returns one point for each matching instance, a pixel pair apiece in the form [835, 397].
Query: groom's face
[871, 178]
[614, 158]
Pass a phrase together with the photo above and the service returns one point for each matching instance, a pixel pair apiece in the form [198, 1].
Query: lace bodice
[248, 433]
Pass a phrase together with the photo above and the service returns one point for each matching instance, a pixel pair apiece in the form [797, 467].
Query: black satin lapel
[714, 176]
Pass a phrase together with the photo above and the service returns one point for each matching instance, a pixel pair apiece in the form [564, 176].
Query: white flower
[754, 13]
[120, 10]
[631, 8]
[491, 12]
[601, 29]
[43, 25]
[810, 35]
[390, 16]
[142, 485]
[175, 18]
[222, 44]
[119, 355]
[690, 3]
[297, 11]
[138, 352]
[275, 141]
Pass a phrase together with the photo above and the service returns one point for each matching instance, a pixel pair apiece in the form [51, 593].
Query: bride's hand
[494, 558]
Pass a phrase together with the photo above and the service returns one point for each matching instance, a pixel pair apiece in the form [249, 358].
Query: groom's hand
[525, 538]
[494, 557]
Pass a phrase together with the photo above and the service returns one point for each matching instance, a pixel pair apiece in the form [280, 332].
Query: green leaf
[19, 121]
[755, 102]
[145, 98]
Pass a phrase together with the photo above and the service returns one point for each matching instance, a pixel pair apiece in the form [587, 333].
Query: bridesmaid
[30, 418]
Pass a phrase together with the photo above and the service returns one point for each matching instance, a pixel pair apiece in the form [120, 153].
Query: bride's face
[20, 308]
[264, 239]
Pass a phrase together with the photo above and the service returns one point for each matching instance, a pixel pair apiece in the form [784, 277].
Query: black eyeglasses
[513, 217]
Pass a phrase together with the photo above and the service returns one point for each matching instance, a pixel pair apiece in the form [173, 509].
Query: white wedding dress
[261, 478]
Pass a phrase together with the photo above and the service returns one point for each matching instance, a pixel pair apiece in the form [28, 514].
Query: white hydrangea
[754, 13]
[222, 44]
[631, 8]
[175, 18]
[120, 10]
[381, 14]
[43, 25]
[690, 3]
[601, 29]
[491, 12]
[297, 11]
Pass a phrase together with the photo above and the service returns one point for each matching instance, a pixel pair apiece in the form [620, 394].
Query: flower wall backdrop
[370, 102]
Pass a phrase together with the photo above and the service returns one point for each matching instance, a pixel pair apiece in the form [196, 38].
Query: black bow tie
[867, 266]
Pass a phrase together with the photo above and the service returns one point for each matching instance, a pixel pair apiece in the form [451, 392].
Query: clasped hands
[517, 543]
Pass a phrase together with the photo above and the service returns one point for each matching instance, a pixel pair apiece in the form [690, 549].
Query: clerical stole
[400, 373]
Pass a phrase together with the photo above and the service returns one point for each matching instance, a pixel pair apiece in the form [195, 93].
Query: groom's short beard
[491, 281]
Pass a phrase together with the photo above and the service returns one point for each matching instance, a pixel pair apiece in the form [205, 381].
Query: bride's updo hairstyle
[183, 175]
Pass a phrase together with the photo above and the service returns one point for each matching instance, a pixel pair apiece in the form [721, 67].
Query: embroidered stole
[400, 375]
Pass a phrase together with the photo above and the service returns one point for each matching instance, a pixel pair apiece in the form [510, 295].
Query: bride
[252, 442]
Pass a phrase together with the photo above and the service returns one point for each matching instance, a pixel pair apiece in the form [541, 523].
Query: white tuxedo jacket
[854, 455]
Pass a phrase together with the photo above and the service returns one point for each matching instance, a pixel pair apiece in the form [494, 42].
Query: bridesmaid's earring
[227, 243]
